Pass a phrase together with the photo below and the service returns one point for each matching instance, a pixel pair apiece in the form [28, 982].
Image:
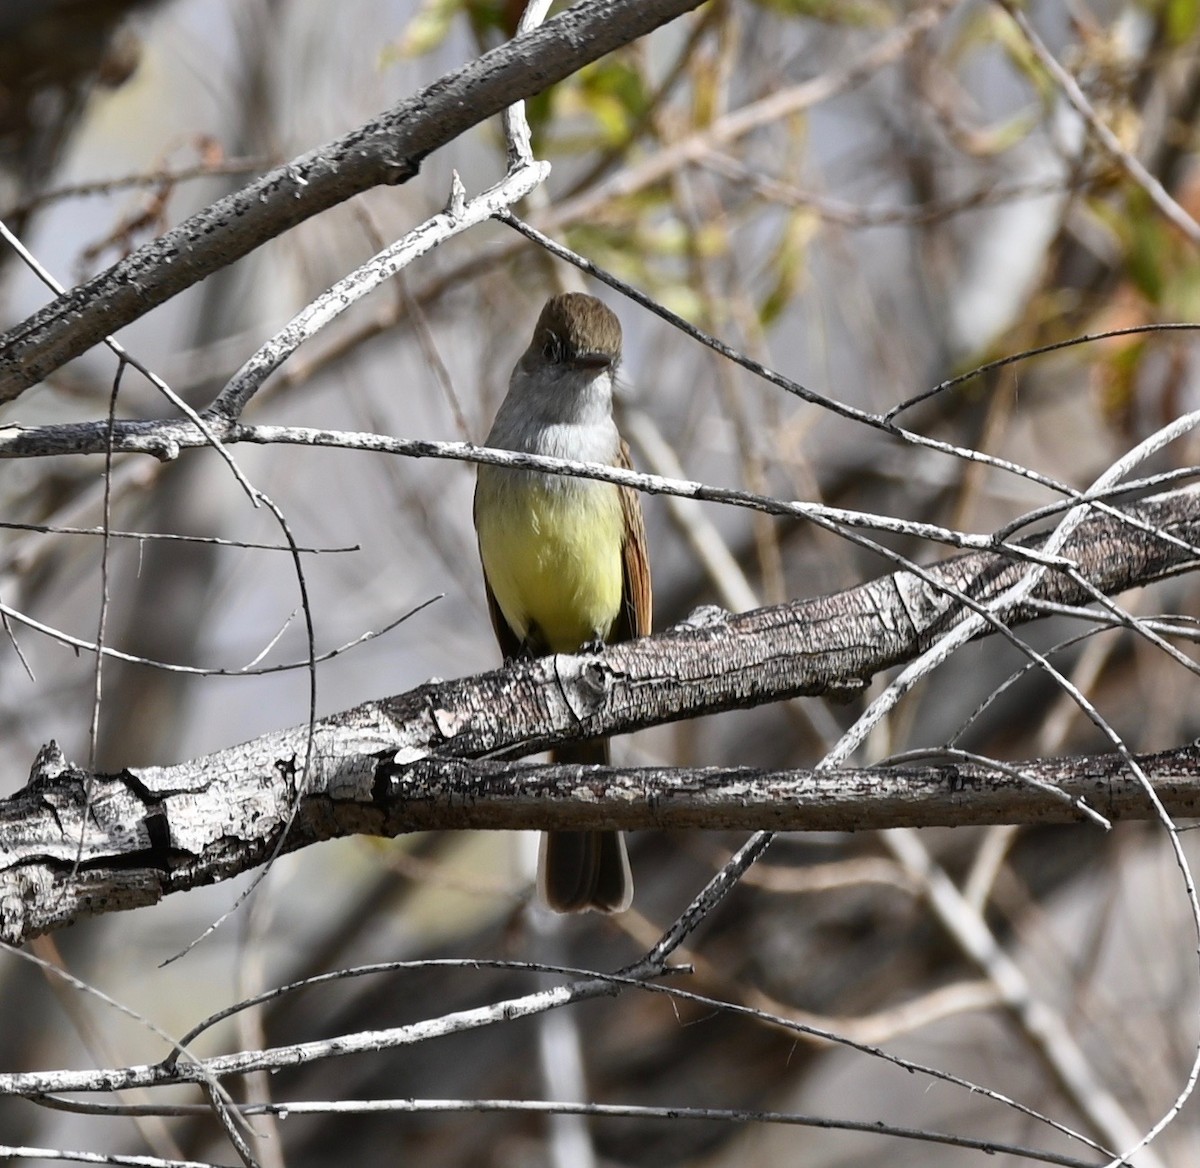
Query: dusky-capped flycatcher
[564, 559]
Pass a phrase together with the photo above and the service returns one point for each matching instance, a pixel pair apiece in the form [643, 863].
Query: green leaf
[424, 32]
[1181, 18]
[789, 263]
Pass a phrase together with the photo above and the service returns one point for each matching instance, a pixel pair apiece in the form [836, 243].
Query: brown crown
[582, 325]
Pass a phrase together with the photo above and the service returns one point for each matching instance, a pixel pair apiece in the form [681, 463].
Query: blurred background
[869, 197]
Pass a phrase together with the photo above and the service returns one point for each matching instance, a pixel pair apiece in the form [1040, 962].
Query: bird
[565, 561]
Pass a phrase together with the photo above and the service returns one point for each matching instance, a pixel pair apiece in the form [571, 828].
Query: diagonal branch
[386, 150]
[398, 764]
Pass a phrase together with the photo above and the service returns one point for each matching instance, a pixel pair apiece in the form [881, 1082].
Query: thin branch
[769, 110]
[589, 986]
[112, 1159]
[385, 151]
[163, 176]
[1041, 1023]
[166, 439]
[1155, 191]
[148, 536]
[595, 1110]
[459, 215]
[251, 670]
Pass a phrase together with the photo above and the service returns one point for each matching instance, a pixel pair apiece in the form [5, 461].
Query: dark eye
[552, 349]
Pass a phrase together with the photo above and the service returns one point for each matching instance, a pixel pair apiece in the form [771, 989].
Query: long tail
[582, 870]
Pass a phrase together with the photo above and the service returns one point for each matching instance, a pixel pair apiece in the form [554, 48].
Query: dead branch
[410, 762]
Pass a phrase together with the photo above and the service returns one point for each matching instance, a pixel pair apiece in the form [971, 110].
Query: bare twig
[387, 150]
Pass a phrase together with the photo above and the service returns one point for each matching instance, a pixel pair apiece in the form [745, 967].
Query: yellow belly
[553, 559]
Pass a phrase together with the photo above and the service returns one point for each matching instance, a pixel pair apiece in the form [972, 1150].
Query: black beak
[592, 360]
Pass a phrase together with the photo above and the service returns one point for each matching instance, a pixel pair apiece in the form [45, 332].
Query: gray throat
[558, 413]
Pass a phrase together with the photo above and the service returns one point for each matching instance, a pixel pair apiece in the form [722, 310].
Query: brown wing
[636, 601]
[510, 643]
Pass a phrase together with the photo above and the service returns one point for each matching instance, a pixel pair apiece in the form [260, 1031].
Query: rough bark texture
[387, 150]
[73, 843]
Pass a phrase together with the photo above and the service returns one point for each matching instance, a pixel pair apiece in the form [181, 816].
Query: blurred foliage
[894, 226]
[490, 21]
[853, 13]
[1182, 20]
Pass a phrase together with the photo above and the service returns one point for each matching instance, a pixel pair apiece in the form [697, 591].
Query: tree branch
[387, 150]
[401, 764]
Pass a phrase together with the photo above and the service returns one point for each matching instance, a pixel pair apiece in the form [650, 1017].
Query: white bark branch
[408, 763]
[386, 150]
